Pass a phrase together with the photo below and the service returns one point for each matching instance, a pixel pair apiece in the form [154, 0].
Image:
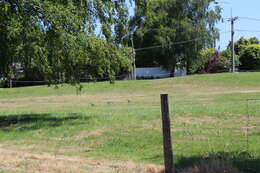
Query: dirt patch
[47, 163]
[85, 98]
[75, 101]
[197, 120]
[82, 135]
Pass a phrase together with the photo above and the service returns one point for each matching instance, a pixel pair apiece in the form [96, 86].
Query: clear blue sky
[244, 9]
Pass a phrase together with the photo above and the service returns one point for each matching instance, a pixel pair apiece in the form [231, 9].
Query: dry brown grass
[12, 160]
[231, 92]
[197, 120]
[61, 102]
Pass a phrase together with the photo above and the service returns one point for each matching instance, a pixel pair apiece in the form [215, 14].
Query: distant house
[158, 72]
[18, 69]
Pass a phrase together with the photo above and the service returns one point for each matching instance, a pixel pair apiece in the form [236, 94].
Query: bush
[210, 61]
[227, 54]
[3, 82]
[250, 58]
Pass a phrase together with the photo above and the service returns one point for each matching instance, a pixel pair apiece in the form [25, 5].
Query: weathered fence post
[166, 127]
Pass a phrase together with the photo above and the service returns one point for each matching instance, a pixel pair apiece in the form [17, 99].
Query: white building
[158, 72]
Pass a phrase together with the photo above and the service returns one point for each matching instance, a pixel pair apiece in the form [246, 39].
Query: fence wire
[230, 132]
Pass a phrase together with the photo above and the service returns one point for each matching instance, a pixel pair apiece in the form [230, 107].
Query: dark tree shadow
[24, 122]
[243, 161]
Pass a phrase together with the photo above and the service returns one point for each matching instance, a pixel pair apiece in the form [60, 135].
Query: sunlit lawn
[211, 116]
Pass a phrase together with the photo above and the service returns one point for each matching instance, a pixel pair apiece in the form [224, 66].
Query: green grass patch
[211, 116]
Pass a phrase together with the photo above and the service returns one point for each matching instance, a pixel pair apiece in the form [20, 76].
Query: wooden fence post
[166, 127]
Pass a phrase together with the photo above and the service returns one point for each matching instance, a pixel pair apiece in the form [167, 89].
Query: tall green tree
[166, 22]
[58, 37]
[241, 44]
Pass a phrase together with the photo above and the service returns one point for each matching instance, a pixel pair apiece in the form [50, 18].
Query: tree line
[247, 57]
[91, 39]
[50, 38]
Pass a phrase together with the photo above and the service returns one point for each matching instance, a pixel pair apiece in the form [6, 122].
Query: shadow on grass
[243, 161]
[26, 122]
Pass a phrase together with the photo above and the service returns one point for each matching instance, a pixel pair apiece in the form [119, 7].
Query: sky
[248, 24]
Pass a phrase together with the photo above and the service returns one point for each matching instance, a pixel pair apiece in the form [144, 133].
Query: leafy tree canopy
[210, 61]
[250, 58]
[59, 37]
[243, 59]
[163, 22]
[242, 43]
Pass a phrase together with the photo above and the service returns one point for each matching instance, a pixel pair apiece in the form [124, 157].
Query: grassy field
[117, 127]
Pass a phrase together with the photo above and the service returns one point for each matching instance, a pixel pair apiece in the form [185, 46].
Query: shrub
[3, 82]
[210, 61]
[250, 58]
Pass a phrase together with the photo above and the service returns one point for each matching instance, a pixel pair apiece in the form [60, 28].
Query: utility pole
[232, 20]
[133, 73]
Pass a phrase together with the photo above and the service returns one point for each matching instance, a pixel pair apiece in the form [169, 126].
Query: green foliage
[166, 21]
[210, 61]
[240, 46]
[106, 59]
[250, 58]
[3, 82]
[51, 38]
[204, 57]
[242, 43]
[218, 64]
[227, 54]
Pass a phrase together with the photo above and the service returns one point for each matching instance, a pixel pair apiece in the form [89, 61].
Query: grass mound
[217, 113]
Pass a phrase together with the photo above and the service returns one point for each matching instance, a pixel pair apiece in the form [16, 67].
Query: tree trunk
[188, 65]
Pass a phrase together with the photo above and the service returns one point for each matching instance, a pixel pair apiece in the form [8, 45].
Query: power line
[241, 30]
[170, 44]
[226, 32]
[250, 18]
[174, 43]
[245, 18]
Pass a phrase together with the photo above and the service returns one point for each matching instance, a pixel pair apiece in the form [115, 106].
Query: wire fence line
[226, 134]
[26, 81]
[94, 79]
[235, 139]
[118, 77]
